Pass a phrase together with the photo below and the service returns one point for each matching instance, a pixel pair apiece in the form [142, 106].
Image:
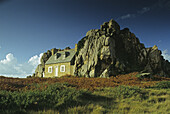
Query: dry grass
[17, 84]
[107, 94]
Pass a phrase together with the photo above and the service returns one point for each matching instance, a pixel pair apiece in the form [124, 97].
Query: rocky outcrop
[110, 51]
[41, 67]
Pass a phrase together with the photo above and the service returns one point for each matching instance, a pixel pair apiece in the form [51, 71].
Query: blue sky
[31, 27]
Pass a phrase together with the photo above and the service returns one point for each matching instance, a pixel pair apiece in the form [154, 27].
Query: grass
[56, 96]
[119, 95]
[162, 85]
[143, 101]
[154, 103]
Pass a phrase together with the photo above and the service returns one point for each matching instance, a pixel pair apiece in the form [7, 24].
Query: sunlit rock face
[110, 51]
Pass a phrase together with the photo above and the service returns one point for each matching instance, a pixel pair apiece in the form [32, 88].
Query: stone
[91, 33]
[92, 72]
[105, 74]
[39, 71]
[112, 51]
[41, 67]
[107, 41]
[105, 52]
[143, 75]
[154, 47]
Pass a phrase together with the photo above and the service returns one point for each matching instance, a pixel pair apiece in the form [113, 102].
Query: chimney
[53, 51]
[75, 47]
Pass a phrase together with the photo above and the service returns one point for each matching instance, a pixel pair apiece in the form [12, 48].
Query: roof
[61, 56]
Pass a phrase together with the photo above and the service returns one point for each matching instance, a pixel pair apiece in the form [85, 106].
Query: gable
[61, 57]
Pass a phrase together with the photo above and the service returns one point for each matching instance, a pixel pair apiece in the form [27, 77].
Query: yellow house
[60, 63]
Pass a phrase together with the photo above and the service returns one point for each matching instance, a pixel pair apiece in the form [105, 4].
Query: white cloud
[9, 59]
[166, 55]
[35, 59]
[10, 66]
[144, 10]
[162, 4]
[139, 12]
[127, 16]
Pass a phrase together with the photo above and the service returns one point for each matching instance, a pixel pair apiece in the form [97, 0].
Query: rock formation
[110, 51]
[41, 67]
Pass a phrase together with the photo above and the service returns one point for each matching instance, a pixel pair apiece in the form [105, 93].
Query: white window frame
[64, 67]
[50, 67]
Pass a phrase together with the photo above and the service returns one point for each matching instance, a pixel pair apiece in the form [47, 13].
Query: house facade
[60, 64]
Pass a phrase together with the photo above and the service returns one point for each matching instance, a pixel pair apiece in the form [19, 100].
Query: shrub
[54, 96]
[126, 91]
[162, 85]
[17, 84]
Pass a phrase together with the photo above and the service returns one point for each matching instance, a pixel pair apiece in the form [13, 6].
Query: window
[58, 55]
[50, 69]
[62, 68]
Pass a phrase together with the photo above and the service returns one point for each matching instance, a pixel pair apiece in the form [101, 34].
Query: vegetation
[56, 96]
[120, 94]
[162, 85]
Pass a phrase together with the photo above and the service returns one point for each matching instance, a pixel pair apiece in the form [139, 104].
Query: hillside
[131, 79]
[121, 94]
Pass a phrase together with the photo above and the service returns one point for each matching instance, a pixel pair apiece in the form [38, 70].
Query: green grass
[64, 98]
[56, 96]
[156, 101]
[162, 85]
[126, 99]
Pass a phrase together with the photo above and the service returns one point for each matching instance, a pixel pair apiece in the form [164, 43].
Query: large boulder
[41, 67]
[110, 51]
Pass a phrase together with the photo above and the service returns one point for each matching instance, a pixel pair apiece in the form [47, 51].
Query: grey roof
[61, 57]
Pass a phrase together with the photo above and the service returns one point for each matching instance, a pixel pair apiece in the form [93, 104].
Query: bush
[162, 85]
[120, 92]
[126, 91]
[56, 96]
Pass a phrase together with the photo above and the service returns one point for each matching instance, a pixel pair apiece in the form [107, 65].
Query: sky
[29, 28]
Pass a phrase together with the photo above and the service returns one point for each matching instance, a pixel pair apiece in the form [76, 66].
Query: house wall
[68, 70]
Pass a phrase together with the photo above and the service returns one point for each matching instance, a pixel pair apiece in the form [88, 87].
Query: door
[56, 71]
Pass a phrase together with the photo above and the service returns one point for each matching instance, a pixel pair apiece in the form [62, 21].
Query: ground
[120, 94]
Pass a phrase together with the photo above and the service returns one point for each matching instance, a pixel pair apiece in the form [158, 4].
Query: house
[60, 63]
